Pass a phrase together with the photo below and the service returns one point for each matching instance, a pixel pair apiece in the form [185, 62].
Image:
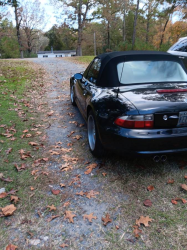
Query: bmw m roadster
[133, 102]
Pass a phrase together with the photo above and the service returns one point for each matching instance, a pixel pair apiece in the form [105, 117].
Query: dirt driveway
[113, 186]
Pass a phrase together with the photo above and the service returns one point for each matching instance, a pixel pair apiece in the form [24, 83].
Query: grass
[80, 59]
[21, 88]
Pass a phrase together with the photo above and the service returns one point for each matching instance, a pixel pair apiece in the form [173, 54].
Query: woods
[91, 26]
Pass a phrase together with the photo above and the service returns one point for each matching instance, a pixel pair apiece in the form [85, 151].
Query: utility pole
[94, 45]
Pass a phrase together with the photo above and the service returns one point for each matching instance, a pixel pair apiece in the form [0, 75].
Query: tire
[72, 95]
[94, 142]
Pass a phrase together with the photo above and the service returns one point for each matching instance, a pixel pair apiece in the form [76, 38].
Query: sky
[50, 12]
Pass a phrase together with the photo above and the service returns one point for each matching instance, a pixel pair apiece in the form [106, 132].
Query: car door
[79, 86]
[90, 87]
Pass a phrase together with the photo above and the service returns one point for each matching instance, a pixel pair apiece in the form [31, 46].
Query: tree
[31, 16]
[81, 9]
[9, 47]
[135, 23]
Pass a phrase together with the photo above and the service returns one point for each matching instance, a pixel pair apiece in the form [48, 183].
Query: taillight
[135, 121]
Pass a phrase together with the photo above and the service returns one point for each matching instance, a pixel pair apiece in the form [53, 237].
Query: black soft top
[108, 76]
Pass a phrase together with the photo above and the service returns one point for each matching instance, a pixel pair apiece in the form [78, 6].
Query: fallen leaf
[62, 185]
[32, 188]
[11, 247]
[14, 198]
[34, 172]
[77, 137]
[54, 152]
[184, 186]
[90, 168]
[8, 151]
[72, 132]
[12, 191]
[22, 167]
[52, 208]
[144, 220]
[53, 217]
[6, 179]
[91, 194]
[173, 201]
[3, 195]
[66, 204]
[106, 219]
[137, 231]
[89, 217]
[8, 210]
[184, 201]
[50, 113]
[104, 174]
[55, 192]
[69, 215]
[147, 203]
[1, 175]
[81, 193]
[117, 227]
[64, 245]
[150, 188]
[33, 143]
[21, 151]
[170, 181]
[25, 131]
[28, 135]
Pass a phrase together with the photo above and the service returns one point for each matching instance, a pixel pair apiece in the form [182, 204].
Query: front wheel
[93, 137]
[72, 95]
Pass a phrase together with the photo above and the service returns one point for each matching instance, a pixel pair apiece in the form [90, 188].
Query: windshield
[150, 71]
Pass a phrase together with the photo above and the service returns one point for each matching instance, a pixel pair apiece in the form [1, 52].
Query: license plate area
[182, 121]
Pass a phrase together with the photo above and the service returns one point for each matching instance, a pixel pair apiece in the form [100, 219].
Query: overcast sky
[50, 13]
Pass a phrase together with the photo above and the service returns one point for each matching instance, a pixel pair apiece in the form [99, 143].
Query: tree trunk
[124, 31]
[108, 35]
[80, 28]
[18, 22]
[148, 22]
[162, 37]
[135, 23]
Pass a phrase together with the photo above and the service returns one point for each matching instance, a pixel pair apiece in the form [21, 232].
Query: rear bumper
[155, 141]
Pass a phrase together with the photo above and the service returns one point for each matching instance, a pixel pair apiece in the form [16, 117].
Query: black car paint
[110, 103]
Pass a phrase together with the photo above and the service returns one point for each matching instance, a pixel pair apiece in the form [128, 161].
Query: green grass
[19, 85]
[81, 59]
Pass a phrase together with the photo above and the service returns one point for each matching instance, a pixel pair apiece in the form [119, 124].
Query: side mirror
[78, 76]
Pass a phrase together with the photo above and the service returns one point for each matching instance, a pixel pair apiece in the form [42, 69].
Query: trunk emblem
[165, 117]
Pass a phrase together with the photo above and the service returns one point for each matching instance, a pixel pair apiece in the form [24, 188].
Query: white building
[60, 53]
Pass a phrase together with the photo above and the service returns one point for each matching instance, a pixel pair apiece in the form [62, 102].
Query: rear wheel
[72, 95]
[93, 137]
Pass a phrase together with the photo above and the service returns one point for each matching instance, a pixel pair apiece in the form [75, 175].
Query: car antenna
[117, 92]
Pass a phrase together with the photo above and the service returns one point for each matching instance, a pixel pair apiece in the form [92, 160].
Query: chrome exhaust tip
[156, 158]
[163, 158]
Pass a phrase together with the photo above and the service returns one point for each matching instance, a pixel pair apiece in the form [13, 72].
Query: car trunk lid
[168, 104]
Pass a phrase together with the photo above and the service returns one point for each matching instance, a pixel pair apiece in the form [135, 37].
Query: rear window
[150, 71]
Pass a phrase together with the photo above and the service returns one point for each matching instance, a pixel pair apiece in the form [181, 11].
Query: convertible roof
[108, 76]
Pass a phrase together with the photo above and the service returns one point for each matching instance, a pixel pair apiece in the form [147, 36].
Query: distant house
[57, 53]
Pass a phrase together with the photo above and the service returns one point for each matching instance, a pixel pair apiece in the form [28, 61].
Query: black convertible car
[133, 102]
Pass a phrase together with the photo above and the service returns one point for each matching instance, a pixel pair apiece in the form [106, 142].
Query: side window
[87, 69]
[94, 71]
[182, 46]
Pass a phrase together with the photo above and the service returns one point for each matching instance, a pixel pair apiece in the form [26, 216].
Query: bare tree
[32, 17]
